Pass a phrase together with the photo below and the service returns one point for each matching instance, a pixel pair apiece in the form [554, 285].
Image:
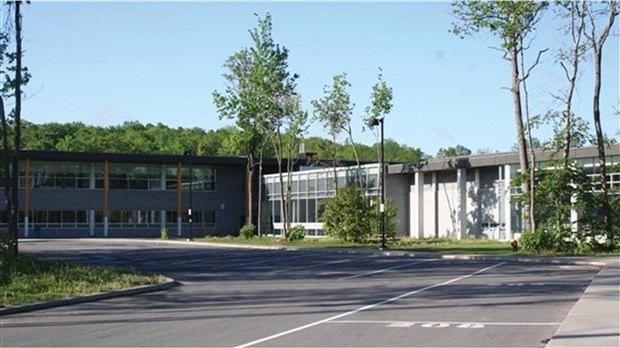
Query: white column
[26, 229]
[477, 203]
[419, 193]
[412, 209]
[461, 203]
[507, 206]
[433, 214]
[574, 214]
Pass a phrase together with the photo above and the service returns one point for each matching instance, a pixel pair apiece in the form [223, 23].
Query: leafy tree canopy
[135, 137]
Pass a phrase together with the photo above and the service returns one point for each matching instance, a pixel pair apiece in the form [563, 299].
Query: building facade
[447, 197]
[71, 194]
[472, 197]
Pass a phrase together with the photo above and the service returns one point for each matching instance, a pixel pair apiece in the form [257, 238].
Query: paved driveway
[240, 297]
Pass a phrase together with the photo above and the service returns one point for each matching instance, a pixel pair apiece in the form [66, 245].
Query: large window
[309, 188]
[132, 177]
[56, 175]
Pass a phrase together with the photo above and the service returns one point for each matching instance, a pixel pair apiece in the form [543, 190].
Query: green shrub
[349, 216]
[164, 233]
[536, 242]
[248, 231]
[297, 232]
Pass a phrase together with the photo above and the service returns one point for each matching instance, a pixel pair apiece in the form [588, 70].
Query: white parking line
[438, 324]
[342, 315]
[317, 265]
[241, 264]
[385, 269]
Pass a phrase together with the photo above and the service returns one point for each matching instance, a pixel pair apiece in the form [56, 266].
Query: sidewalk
[594, 321]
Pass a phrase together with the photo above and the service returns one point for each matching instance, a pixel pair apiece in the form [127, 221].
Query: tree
[348, 215]
[457, 151]
[334, 112]
[261, 97]
[380, 106]
[245, 95]
[608, 11]
[569, 59]
[511, 21]
[13, 88]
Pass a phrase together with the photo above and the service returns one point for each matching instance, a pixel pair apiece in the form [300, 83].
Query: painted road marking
[438, 324]
[390, 300]
[242, 264]
[385, 269]
[272, 273]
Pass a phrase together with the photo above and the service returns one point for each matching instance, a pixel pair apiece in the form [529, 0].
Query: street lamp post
[376, 122]
[189, 212]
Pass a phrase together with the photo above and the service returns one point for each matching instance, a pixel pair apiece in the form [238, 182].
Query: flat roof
[496, 159]
[66, 156]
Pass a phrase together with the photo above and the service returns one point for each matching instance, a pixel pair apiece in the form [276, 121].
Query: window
[56, 175]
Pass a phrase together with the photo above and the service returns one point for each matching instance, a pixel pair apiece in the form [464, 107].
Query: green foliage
[561, 188]
[248, 231]
[536, 242]
[335, 108]
[390, 218]
[508, 20]
[349, 216]
[457, 151]
[297, 232]
[164, 233]
[380, 101]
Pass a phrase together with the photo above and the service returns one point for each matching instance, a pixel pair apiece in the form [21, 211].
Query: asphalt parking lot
[240, 297]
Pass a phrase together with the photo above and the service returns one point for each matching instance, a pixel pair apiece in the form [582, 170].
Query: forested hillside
[134, 137]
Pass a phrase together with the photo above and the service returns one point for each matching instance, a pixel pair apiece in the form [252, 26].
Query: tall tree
[13, 87]
[243, 98]
[608, 11]
[569, 59]
[380, 106]
[334, 112]
[512, 22]
[261, 97]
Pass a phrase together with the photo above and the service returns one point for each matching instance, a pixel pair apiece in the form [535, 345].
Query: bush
[349, 216]
[297, 232]
[535, 242]
[164, 233]
[248, 231]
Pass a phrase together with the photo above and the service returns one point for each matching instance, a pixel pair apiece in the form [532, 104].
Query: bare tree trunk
[516, 98]
[259, 220]
[532, 213]
[597, 48]
[334, 163]
[250, 187]
[600, 142]
[17, 118]
[6, 154]
[576, 34]
[357, 158]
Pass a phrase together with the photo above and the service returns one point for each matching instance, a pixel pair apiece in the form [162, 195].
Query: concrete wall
[396, 188]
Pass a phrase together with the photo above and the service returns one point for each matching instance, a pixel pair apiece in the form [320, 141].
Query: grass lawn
[445, 245]
[30, 280]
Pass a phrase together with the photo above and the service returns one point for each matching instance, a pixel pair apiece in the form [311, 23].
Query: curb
[169, 283]
[557, 260]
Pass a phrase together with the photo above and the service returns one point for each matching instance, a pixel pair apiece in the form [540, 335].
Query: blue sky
[104, 63]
